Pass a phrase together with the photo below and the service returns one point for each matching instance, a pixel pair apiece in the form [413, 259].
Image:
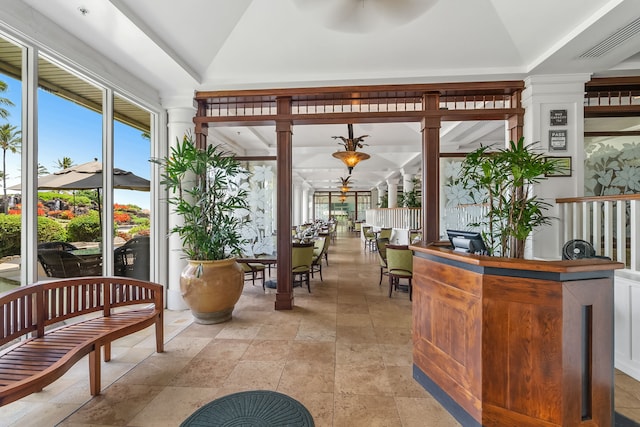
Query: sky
[66, 129]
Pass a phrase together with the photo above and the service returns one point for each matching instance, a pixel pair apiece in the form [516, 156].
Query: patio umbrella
[88, 176]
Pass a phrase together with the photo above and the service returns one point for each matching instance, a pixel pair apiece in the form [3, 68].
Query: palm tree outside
[64, 163]
[4, 102]
[10, 140]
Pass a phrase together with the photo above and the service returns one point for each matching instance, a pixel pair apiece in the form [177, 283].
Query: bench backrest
[31, 308]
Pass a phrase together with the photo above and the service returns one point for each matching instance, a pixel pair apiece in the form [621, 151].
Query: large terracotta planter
[211, 289]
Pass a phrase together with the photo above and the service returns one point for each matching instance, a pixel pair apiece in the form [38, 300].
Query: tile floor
[344, 352]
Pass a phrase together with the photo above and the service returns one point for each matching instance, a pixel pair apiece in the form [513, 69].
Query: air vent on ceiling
[614, 40]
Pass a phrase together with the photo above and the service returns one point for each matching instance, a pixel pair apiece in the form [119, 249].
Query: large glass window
[10, 149]
[69, 173]
[131, 181]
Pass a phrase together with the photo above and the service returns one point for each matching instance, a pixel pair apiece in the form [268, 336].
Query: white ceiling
[179, 47]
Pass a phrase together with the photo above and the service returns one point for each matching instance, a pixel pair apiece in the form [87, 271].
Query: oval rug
[251, 408]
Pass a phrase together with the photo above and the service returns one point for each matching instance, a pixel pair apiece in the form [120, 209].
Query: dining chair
[385, 233]
[399, 266]
[382, 255]
[254, 271]
[301, 260]
[369, 237]
[321, 246]
[415, 236]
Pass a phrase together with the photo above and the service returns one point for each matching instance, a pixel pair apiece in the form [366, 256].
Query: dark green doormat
[259, 408]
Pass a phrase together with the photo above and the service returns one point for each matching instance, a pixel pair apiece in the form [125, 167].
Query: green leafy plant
[204, 189]
[503, 181]
[85, 228]
[413, 198]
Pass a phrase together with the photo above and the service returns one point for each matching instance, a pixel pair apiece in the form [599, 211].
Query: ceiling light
[350, 157]
[345, 184]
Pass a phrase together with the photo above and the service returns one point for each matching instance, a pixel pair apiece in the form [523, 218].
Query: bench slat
[36, 362]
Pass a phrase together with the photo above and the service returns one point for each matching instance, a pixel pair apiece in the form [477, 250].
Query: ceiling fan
[361, 16]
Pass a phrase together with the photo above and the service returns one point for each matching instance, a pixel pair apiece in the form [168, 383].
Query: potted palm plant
[503, 180]
[205, 192]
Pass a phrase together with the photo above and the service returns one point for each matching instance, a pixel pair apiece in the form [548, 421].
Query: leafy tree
[4, 113]
[9, 141]
[64, 163]
[42, 170]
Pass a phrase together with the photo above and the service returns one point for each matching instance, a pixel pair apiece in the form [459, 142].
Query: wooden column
[284, 164]
[431, 169]
[516, 121]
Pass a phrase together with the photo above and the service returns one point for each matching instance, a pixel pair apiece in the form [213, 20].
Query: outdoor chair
[64, 264]
[132, 258]
[60, 246]
[399, 266]
[301, 260]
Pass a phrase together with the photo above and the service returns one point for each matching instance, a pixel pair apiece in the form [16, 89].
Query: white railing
[405, 218]
[461, 217]
[610, 223]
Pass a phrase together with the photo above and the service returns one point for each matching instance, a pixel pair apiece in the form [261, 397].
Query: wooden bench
[57, 323]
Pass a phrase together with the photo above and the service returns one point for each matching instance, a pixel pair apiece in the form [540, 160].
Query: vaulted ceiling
[179, 47]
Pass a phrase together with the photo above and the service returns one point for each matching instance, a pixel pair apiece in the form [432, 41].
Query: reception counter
[510, 342]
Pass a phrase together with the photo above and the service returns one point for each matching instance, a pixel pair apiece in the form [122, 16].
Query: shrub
[49, 230]
[9, 235]
[121, 217]
[141, 221]
[84, 228]
[140, 230]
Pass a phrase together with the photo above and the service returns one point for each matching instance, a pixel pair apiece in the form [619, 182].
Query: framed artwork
[558, 117]
[563, 164]
[558, 140]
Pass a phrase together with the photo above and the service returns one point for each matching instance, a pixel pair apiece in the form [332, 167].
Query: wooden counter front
[504, 342]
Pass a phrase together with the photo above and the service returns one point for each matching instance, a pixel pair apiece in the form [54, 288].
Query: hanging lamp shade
[350, 157]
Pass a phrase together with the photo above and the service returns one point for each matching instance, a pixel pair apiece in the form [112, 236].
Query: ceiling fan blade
[401, 11]
[346, 15]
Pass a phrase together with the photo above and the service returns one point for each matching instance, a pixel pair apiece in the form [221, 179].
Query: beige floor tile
[256, 375]
[116, 406]
[365, 411]
[423, 412]
[321, 352]
[319, 405]
[278, 331]
[224, 349]
[307, 376]
[173, 405]
[363, 379]
[203, 372]
[355, 334]
[268, 350]
[357, 353]
[157, 370]
[354, 319]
